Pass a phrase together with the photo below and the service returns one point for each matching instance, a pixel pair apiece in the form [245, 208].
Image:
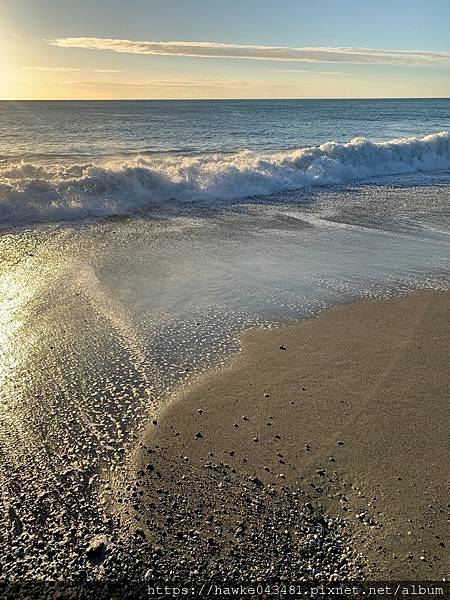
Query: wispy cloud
[107, 70]
[52, 69]
[69, 69]
[311, 72]
[268, 53]
[176, 83]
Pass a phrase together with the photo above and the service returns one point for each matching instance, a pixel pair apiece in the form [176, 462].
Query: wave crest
[44, 193]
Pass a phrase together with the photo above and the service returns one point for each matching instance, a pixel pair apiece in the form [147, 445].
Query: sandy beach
[343, 417]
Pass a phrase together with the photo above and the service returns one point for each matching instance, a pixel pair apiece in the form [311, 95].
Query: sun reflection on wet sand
[100, 323]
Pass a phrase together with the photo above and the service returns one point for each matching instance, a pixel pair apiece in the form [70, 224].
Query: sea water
[65, 161]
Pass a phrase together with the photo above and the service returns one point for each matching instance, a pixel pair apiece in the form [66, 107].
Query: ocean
[66, 161]
[137, 239]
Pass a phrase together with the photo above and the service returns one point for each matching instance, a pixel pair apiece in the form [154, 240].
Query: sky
[111, 49]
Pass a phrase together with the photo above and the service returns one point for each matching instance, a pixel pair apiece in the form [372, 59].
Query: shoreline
[328, 410]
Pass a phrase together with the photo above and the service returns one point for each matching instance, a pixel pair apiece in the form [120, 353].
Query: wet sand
[349, 409]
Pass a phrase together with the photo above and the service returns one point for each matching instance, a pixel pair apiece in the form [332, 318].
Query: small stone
[340, 443]
[199, 435]
[256, 480]
[96, 550]
[282, 348]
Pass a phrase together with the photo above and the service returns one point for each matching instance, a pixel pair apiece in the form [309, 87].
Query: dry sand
[351, 407]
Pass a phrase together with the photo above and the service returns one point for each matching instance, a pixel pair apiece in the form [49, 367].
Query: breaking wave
[31, 193]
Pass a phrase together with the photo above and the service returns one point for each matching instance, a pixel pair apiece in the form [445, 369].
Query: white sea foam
[43, 193]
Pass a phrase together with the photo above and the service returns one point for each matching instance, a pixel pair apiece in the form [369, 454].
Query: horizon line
[220, 99]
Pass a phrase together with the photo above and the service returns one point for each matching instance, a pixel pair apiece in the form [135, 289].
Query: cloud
[311, 72]
[69, 69]
[268, 53]
[52, 69]
[176, 83]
